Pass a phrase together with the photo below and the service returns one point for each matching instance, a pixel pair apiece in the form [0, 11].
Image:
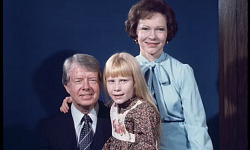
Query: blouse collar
[162, 58]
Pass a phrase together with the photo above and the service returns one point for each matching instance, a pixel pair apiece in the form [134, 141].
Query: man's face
[83, 87]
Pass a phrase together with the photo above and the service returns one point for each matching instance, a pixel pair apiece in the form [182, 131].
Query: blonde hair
[124, 64]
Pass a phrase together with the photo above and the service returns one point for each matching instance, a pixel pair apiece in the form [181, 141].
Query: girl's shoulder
[145, 106]
[145, 111]
[109, 103]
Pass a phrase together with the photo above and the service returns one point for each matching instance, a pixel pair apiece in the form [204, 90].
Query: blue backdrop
[39, 34]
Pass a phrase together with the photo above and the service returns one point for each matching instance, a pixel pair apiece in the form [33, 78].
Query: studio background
[38, 35]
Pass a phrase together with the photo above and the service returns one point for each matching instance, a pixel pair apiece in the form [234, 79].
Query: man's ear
[67, 88]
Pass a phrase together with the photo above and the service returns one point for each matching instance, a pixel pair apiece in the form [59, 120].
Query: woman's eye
[144, 28]
[161, 29]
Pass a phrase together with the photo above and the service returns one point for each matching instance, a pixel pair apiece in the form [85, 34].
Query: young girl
[134, 116]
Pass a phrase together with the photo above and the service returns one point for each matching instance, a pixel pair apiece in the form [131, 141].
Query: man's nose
[85, 85]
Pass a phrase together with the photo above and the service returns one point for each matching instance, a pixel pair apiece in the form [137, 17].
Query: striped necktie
[86, 135]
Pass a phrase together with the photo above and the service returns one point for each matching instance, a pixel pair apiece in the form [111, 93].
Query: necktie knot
[86, 119]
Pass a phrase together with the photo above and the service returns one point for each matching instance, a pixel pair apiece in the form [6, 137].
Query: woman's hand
[65, 107]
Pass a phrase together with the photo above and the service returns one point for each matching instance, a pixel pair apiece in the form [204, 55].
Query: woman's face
[152, 35]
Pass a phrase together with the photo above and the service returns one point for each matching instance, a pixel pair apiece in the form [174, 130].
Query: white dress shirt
[77, 116]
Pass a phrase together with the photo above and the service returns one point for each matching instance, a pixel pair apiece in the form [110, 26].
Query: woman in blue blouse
[152, 24]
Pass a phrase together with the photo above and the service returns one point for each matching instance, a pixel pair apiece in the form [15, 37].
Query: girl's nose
[117, 86]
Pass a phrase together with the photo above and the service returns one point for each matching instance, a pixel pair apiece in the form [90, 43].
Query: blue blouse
[177, 97]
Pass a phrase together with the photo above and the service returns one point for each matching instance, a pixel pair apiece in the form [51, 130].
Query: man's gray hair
[87, 61]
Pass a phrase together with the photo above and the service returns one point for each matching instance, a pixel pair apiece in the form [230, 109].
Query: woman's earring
[167, 42]
[136, 41]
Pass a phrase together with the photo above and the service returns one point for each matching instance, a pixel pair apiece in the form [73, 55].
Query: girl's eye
[123, 80]
[110, 81]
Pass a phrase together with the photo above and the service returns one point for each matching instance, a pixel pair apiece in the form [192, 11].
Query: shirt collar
[77, 115]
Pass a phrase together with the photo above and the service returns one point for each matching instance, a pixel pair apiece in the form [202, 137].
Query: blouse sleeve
[193, 110]
[146, 124]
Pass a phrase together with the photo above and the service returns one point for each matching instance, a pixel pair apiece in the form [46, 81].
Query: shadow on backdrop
[47, 81]
[213, 130]
[213, 126]
[48, 86]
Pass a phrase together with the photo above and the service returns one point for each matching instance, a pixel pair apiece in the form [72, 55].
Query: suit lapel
[67, 132]
[103, 128]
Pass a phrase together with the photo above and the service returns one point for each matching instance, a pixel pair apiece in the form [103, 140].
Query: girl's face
[152, 35]
[120, 88]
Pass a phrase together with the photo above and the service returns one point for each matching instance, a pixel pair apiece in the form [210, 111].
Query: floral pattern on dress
[119, 128]
[144, 122]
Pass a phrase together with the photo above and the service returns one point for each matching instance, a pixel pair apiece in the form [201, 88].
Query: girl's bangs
[118, 69]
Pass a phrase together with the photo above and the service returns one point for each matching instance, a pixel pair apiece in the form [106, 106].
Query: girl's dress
[134, 126]
[176, 94]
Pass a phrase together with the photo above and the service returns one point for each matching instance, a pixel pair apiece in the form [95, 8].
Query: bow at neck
[156, 75]
[156, 69]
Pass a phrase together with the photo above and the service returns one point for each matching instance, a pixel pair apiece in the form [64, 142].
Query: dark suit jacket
[58, 132]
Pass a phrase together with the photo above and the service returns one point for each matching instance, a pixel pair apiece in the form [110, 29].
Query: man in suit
[82, 77]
